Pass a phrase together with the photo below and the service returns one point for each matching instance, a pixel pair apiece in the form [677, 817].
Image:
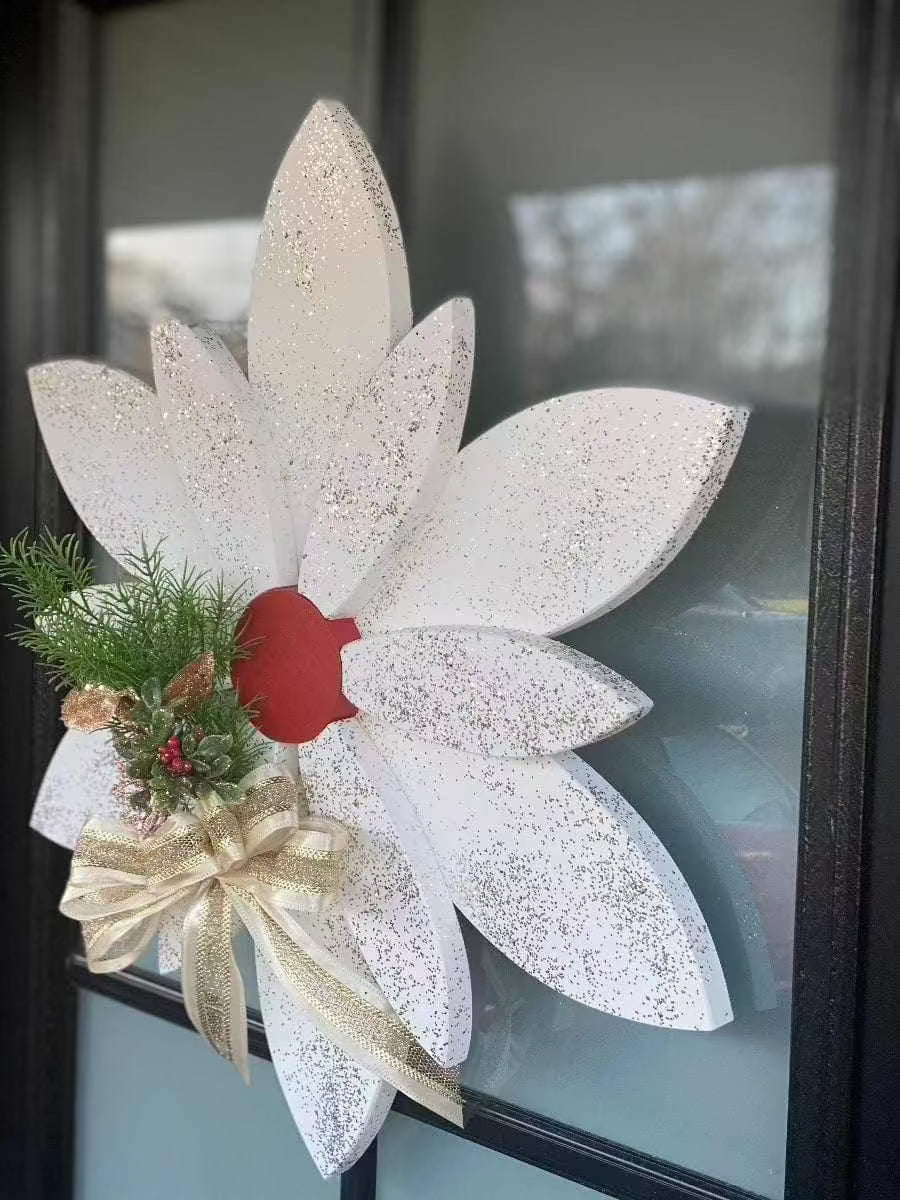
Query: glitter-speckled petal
[330, 293]
[562, 875]
[391, 459]
[77, 784]
[560, 513]
[224, 456]
[338, 1106]
[488, 691]
[103, 432]
[394, 898]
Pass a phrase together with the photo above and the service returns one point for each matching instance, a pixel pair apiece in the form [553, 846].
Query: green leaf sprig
[130, 637]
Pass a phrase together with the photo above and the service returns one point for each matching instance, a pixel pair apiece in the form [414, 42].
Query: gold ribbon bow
[261, 862]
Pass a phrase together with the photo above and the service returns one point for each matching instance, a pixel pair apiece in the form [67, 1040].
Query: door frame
[844, 1105]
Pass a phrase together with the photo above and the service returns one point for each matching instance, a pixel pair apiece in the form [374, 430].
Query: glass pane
[153, 1104]
[199, 102]
[638, 196]
[642, 195]
[416, 1161]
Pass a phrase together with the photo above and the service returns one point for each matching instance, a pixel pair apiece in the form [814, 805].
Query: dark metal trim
[360, 1182]
[398, 29]
[826, 1061]
[877, 1098]
[591, 1161]
[46, 295]
[845, 569]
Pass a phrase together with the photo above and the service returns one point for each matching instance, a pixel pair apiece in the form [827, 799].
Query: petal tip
[41, 375]
[173, 331]
[642, 703]
[328, 112]
[455, 319]
[464, 315]
[325, 106]
[34, 374]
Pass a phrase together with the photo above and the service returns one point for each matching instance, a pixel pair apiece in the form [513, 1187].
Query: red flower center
[293, 676]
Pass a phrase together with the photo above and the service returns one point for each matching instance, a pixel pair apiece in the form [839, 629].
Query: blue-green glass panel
[417, 1162]
[160, 1115]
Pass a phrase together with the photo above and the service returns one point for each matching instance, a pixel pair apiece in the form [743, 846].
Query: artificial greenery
[150, 624]
[41, 572]
[137, 637]
[215, 739]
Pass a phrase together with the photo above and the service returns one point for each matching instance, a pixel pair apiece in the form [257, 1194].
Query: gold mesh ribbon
[262, 862]
[193, 685]
[94, 707]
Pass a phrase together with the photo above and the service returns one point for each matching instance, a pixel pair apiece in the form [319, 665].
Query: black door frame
[844, 1107]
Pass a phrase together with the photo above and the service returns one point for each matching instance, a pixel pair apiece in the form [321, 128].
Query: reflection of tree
[197, 272]
[713, 285]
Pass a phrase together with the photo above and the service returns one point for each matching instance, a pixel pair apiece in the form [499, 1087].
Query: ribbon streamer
[261, 862]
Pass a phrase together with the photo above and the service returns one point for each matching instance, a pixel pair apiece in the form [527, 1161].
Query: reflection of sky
[748, 254]
[201, 267]
[198, 271]
[730, 269]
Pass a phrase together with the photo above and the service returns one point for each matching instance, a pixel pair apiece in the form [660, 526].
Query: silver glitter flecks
[104, 433]
[337, 1104]
[488, 691]
[560, 873]
[78, 784]
[330, 293]
[391, 459]
[213, 432]
[393, 896]
[560, 513]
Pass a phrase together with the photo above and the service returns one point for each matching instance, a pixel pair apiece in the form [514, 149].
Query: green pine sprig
[148, 625]
[42, 572]
[136, 636]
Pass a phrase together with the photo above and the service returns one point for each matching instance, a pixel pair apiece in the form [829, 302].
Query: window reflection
[651, 281]
[605, 275]
[717, 286]
[198, 271]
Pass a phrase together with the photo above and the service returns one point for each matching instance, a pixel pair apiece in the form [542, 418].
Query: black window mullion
[845, 570]
[360, 1182]
[877, 1096]
[46, 72]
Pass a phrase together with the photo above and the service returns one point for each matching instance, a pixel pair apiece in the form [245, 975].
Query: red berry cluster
[170, 757]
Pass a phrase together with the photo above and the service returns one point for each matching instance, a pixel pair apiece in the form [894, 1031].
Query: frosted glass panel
[416, 1162]
[160, 1115]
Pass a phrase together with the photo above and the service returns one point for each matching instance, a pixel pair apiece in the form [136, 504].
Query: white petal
[103, 431]
[391, 459]
[223, 454]
[394, 899]
[563, 876]
[330, 293]
[77, 784]
[488, 691]
[338, 1106]
[560, 513]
